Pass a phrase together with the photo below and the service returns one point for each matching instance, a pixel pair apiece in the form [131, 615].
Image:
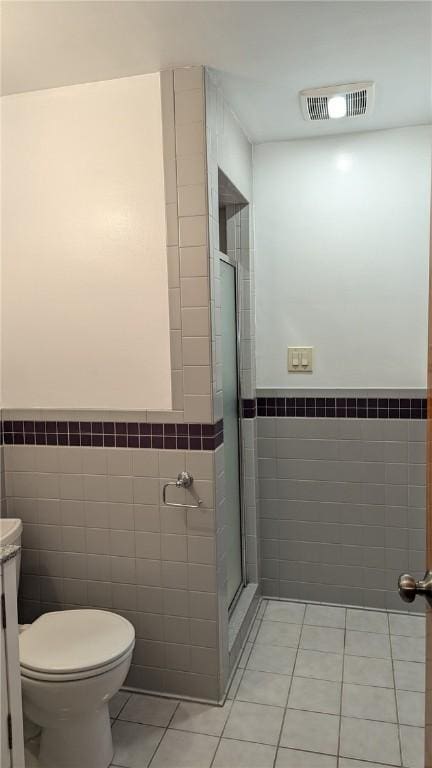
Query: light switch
[300, 359]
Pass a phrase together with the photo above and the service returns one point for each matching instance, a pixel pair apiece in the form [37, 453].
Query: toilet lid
[75, 640]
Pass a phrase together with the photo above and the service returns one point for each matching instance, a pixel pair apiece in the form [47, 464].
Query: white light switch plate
[300, 359]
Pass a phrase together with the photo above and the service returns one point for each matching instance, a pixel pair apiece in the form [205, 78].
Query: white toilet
[72, 663]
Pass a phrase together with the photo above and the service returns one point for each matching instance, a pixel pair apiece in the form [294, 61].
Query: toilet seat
[74, 645]
[47, 677]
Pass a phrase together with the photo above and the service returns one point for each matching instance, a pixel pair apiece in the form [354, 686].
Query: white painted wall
[85, 299]
[342, 250]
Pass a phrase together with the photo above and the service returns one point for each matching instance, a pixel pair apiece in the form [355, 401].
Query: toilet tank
[10, 533]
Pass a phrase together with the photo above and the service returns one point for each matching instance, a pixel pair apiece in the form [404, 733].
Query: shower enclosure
[231, 417]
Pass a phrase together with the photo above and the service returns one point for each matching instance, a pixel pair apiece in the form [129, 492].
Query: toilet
[72, 663]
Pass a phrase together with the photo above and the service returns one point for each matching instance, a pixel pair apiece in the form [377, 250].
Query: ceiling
[264, 53]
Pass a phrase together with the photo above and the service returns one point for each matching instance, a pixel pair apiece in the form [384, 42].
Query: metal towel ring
[184, 480]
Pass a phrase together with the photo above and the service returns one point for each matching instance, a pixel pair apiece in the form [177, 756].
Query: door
[408, 586]
[231, 420]
[428, 719]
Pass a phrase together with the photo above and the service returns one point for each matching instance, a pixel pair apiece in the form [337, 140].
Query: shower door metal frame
[234, 264]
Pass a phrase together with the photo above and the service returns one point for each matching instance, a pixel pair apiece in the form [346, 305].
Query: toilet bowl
[72, 663]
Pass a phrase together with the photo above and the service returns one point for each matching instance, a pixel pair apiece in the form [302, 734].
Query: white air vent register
[337, 101]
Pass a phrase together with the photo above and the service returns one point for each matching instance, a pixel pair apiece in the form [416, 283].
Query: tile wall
[183, 120]
[2, 484]
[97, 535]
[88, 484]
[342, 506]
[95, 530]
[240, 246]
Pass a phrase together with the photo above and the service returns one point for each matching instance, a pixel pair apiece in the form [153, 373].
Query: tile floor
[316, 687]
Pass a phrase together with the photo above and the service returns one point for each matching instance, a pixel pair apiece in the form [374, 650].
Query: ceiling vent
[337, 101]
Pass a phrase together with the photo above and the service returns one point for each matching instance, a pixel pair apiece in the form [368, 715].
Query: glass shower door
[231, 430]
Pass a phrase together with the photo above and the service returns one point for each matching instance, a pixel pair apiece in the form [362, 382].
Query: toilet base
[84, 742]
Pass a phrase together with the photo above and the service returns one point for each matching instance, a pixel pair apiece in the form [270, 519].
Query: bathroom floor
[316, 687]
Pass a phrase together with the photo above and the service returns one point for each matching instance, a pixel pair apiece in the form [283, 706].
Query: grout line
[228, 716]
[122, 707]
[289, 689]
[394, 693]
[257, 618]
[163, 735]
[341, 687]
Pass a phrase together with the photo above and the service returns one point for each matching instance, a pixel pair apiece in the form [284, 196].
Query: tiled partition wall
[342, 496]
[96, 534]
[88, 484]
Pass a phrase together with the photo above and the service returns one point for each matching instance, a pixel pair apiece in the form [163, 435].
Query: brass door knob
[409, 587]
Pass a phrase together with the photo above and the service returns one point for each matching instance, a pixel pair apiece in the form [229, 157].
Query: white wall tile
[194, 291]
[197, 380]
[189, 106]
[194, 261]
[198, 408]
[196, 350]
[188, 78]
[192, 230]
[190, 139]
[190, 170]
[192, 200]
[195, 321]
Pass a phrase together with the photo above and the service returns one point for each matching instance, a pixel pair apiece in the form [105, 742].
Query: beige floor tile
[264, 688]
[272, 658]
[254, 722]
[408, 648]
[310, 731]
[325, 616]
[409, 676]
[292, 613]
[294, 758]
[200, 718]
[368, 702]
[409, 626]
[370, 644]
[150, 710]
[279, 633]
[185, 750]
[323, 666]
[117, 703]
[326, 639]
[369, 740]
[243, 754]
[364, 671]
[134, 744]
[412, 745]
[367, 621]
[411, 708]
[315, 695]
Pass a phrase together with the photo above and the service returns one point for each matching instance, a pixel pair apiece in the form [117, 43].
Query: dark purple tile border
[203, 437]
[343, 407]
[109, 434]
[249, 409]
